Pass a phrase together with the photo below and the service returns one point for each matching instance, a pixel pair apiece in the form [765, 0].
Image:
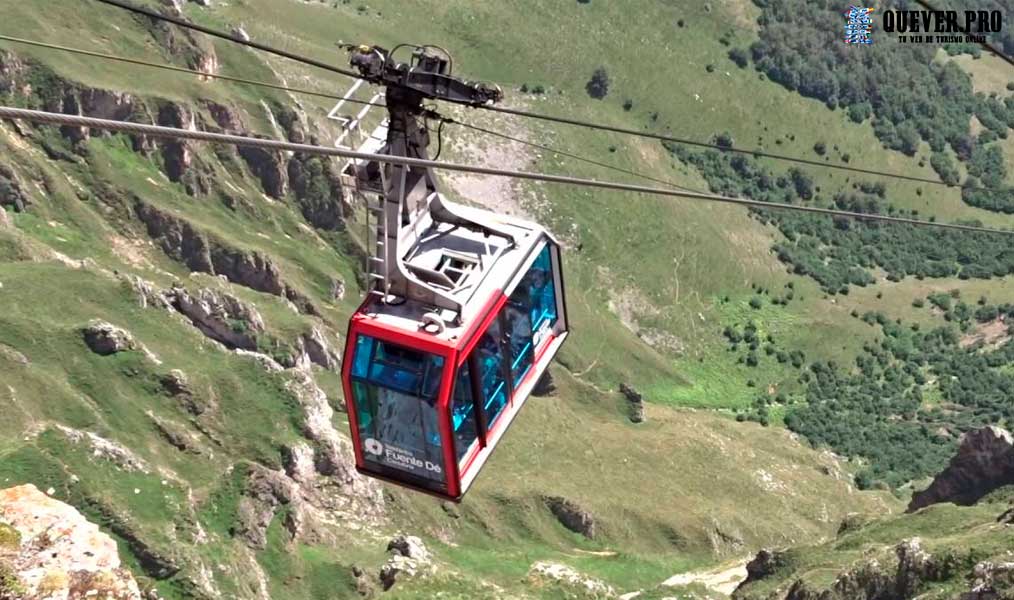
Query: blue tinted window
[542, 291]
[519, 334]
[364, 351]
[530, 314]
[491, 368]
[463, 413]
[395, 390]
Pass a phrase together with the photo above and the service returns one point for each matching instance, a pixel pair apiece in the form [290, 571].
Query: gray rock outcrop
[54, 552]
[203, 253]
[983, 463]
[220, 316]
[571, 515]
[636, 403]
[11, 192]
[409, 557]
[105, 338]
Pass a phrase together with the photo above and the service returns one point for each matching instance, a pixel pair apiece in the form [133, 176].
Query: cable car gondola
[465, 309]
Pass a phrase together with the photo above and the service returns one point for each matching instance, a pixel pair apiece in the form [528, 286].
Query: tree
[723, 140]
[820, 148]
[945, 168]
[598, 85]
[740, 57]
[802, 182]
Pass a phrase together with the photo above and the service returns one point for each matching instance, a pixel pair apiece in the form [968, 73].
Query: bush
[598, 86]
[820, 148]
[628, 104]
[723, 140]
[860, 112]
[740, 57]
[756, 302]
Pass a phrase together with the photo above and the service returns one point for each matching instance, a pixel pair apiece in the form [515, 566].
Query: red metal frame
[455, 353]
[361, 323]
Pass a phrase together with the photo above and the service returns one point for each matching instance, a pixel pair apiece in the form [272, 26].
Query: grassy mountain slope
[929, 554]
[651, 289]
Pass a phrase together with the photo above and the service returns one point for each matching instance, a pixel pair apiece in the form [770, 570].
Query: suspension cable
[238, 140]
[686, 142]
[264, 84]
[539, 116]
[229, 37]
[165, 67]
[571, 155]
[284, 88]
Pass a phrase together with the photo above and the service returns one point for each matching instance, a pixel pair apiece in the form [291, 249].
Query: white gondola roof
[475, 266]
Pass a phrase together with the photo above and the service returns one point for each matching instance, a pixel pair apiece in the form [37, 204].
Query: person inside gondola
[541, 294]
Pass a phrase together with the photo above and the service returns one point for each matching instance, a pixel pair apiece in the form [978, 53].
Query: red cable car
[466, 309]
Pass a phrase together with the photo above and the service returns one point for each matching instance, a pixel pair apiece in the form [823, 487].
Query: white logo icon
[373, 447]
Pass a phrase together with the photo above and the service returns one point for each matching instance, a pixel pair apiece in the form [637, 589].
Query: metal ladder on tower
[352, 175]
[376, 265]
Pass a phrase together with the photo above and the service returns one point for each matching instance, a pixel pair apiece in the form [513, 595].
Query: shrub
[740, 57]
[820, 148]
[598, 86]
[723, 140]
[628, 104]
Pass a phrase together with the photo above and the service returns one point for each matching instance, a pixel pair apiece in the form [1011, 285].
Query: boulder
[562, 574]
[147, 294]
[991, 581]
[11, 192]
[318, 350]
[265, 492]
[571, 516]
[105, 338]
[175, 383]
[337, 289]
[636, 403]
[297, 460]
[409, 546]
[410, 558]
[268, 166]
[52, 551]
[220, 316]
[984, 462]
[765, 564]
[364, 585]
[851, 522]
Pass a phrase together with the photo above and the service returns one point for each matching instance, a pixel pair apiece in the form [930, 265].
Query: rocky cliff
[955, 542]
[983, 463]
[49, 550]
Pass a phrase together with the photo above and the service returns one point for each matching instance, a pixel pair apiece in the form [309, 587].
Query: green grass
[965, 535]
[659, 490]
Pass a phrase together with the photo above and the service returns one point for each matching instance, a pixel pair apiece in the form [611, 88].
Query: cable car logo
[398, 456]
[373, 447]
